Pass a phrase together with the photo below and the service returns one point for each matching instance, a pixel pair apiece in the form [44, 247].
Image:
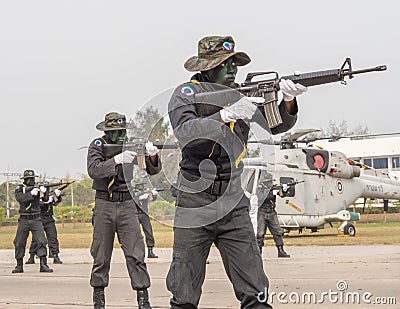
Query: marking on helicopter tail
[295, 207]
[339, 186]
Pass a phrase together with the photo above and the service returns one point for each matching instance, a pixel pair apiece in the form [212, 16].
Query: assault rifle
[280, 187]
[63, 186]
[149, 192]
[45, 184]
[268, 89]
[137, 145]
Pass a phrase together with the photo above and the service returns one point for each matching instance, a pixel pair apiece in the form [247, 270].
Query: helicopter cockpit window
[291, 192]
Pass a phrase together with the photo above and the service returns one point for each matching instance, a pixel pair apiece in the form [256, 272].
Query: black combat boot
[143, 299]
[19, 268]
[99, 301]
[260, 249]
[31, 259]
[282, 253]
[151, 254]
[56, 259]
[44, 268]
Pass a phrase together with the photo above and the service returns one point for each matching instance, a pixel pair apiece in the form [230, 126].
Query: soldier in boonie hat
[114, 126]
[210, 195]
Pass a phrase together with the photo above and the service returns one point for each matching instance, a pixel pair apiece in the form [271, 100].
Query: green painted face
[116, 136]
[30, 181]
[224, 74]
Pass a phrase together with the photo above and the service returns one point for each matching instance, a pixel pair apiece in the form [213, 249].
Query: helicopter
[320, 185]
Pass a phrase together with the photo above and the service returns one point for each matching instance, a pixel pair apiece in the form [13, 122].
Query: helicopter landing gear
[350, 230]
[347, 229]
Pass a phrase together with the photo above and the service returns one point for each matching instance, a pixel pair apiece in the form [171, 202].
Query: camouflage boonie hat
[112, 121]
[28, 174]
[212, 51]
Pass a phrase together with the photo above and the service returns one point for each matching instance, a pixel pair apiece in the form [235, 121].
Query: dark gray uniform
[144, 219]
[29, 221]
[49, 225]
[268, 218]
[115, 212]
[211, 206]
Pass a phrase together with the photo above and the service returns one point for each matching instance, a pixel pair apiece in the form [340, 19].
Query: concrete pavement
[341, 273]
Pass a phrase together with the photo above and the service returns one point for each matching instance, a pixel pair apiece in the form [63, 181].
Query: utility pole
[8, 174]
[72, 194]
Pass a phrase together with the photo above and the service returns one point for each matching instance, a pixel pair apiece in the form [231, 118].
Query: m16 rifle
[283, 188]
[268, 89]
[48, 185]
[63, 186]
[137, 145]
[45, 195]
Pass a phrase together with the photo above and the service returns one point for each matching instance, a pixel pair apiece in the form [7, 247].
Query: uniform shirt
[46, 208]
[203, 138]
[266, 198]
[28, 204]
[103, 170]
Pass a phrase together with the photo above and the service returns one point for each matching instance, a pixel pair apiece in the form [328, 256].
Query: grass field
[375, 232]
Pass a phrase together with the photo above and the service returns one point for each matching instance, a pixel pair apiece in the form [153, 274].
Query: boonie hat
[212, 51]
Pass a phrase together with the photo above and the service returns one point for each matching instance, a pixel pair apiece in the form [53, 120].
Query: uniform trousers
[232, 233]
[34, 226]
[111, 217]
[50, 230]
[268, 218]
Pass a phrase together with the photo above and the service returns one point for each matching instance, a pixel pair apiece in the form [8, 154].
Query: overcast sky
[65, 64]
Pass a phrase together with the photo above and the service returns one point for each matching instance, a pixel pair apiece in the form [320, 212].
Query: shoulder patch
[187, 91]
[98, 143]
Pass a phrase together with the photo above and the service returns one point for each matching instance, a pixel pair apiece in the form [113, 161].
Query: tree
[82, 190]
[340, 129]
[149, 124]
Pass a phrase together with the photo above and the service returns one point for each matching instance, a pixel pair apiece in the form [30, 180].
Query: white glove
[144, 196]
[290, 89]
[35, 191]
[151, 149]
[43, 189]
[285, 187]
[57, 192]
[125, 157]
[154, 192]
[50, 199]
[242, 109]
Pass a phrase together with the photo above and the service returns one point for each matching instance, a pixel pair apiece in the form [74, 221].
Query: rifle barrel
[378, 68]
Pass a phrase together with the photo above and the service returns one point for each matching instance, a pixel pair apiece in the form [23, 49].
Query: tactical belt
[218, 187]
[266, 209]
[29, 217]
[46, 215]
[116, 196]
